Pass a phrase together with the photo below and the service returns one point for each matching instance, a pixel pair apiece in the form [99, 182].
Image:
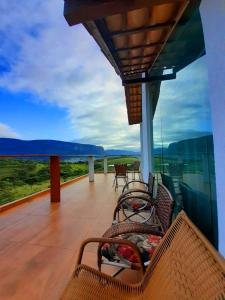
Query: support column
[142, 155]
[55, 178]
[146, 132]
[213, 21]
[91, 169]
[105, 165]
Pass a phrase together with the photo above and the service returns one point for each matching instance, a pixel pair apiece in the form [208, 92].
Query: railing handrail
[64, 155]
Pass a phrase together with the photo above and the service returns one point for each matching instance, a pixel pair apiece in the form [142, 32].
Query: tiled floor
[39, 240]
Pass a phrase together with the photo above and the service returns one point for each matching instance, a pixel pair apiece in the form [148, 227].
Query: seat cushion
[145, 243]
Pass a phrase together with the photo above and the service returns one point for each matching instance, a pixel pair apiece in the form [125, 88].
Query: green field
[20, 178]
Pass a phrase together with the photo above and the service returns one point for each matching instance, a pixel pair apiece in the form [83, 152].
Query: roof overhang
[141, 38]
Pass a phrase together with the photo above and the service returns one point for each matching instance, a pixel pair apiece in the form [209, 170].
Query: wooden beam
[137, 57]
[149, 79]
[150, 45]
[102, 28]
[80, 11]
[139, 71]
[138, 64]
[142, 29]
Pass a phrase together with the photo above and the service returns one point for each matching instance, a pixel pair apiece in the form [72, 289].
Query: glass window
[183, 146]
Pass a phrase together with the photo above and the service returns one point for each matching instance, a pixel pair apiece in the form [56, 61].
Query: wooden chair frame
[184, 266]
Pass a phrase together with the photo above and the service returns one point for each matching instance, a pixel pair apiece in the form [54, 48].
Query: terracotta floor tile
[39, 241]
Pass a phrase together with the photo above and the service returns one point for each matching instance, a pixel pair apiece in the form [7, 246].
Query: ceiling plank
[138, 64]
[137, 57]
[142, 29]
[81, 11]
[150, 45]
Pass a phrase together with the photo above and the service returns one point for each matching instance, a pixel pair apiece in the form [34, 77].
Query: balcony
[39, 240]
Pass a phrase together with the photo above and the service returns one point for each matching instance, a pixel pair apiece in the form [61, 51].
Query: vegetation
[20, 177]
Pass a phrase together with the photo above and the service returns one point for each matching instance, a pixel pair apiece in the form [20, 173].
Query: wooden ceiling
[134, 103]
[132, 35]
[138, 36]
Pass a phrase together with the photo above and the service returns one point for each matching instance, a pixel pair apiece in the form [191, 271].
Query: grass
[20, 178]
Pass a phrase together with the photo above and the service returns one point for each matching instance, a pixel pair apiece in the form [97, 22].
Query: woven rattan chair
[139, 208]
[168, 182]
[144, 192]
[135, 169]
[132, 185]
[138, 233]
[184, 266]
[120, 173]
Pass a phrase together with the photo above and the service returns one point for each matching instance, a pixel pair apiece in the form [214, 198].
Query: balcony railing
[26, 175]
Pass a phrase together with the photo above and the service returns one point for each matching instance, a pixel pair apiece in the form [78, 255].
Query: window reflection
[183, 146]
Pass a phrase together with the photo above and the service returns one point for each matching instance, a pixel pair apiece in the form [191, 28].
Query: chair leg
[118, 272]
[116, 185]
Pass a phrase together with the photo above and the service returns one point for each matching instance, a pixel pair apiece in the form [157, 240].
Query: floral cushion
[136, 204]
[145, 243]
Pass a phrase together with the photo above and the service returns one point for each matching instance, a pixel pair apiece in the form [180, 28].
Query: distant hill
[192, 147]
[112, 152]
[15, 146]
[159, 151]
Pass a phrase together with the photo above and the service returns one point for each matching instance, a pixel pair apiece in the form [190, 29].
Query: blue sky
[56, 84]
[54, 81]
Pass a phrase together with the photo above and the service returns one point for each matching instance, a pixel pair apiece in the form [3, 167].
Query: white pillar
[105, 165]
[142, 151]
[146, 132]
[213, 21]
[91, 169]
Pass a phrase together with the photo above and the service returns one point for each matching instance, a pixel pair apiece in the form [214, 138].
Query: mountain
[192, 147]
[160, 151]
[114, 152]
[15, 146]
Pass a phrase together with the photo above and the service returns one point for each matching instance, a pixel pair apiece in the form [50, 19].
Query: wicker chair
[144, 193]
[184, 266]
[120, 173]
[149, 187]
[140, 208]
[168, 182]
[138, 233]
[136, 170]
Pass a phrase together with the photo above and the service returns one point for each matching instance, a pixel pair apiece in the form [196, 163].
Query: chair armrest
[124, 228]
[131, 182]
[110, 241]
[139, 197]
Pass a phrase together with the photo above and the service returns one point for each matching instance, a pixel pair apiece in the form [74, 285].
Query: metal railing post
[55, 178]
[91, 170]
[105, 165]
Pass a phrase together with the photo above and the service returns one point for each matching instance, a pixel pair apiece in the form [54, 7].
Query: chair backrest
[151, 181]
[168, 182]
[136, 166]
[198, 208]
[185, 266]
[120, 169]
[164, 206]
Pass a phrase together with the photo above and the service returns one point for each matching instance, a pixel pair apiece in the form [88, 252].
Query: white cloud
[7, 132]
[183, 110]
[64, 66]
